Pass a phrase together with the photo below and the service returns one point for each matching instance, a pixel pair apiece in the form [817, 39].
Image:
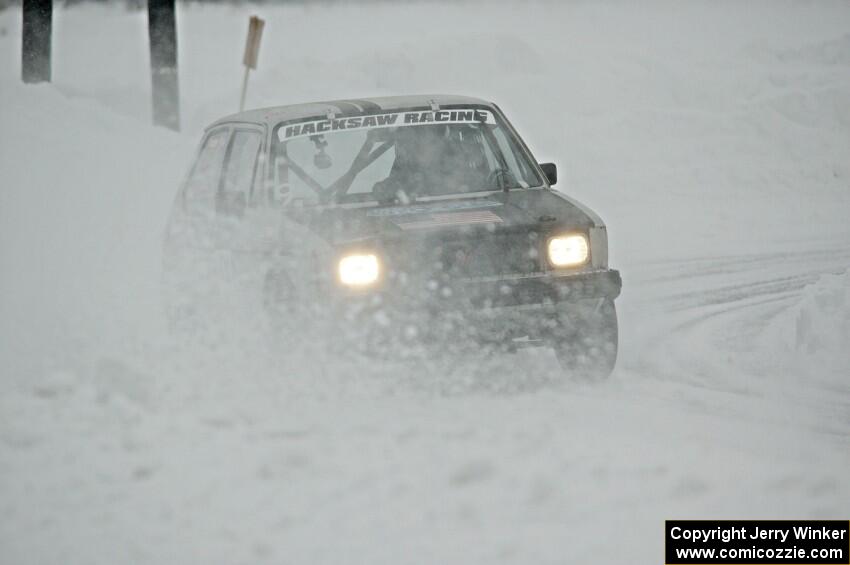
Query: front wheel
[586, 342]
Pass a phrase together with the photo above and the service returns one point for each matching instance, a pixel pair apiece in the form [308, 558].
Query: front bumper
[481, 309]
[540, 290]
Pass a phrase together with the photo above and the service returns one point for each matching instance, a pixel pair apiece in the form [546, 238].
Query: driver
[432, 160]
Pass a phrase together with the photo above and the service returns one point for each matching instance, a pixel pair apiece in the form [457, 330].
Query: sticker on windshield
[396, 119]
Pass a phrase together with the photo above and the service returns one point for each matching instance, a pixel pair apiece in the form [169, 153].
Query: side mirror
[551, 172]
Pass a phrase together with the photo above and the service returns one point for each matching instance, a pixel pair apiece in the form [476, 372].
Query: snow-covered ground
[714, 138]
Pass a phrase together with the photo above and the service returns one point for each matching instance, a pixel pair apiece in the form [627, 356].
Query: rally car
[393, 224]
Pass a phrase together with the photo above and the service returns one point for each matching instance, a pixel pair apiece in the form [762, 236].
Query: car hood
[539, 209]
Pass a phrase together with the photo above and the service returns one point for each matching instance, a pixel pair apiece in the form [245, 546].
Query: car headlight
[568, 250]
[359, 270]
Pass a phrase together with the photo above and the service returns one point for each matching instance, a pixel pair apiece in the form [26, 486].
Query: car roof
[353, 106]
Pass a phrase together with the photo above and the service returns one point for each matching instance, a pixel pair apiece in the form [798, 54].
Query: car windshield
[397, 157]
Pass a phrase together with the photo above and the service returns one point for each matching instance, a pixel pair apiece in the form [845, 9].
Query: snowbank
[815, 331]
[823, 318]
[82, 210]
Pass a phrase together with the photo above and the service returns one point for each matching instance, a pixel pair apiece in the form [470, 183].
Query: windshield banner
[462, 116]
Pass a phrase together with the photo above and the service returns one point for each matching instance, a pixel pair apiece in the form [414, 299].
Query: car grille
[471, 256]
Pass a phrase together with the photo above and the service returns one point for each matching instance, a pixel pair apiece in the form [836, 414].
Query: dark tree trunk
[37, 31]
[162, 30]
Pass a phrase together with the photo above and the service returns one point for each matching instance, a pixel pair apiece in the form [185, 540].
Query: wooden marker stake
[252, 50]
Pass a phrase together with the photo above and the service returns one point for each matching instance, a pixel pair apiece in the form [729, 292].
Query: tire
[586, 344]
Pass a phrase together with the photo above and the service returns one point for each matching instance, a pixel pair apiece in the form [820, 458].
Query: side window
[203, 181]
[242, 162]
[239, 172]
